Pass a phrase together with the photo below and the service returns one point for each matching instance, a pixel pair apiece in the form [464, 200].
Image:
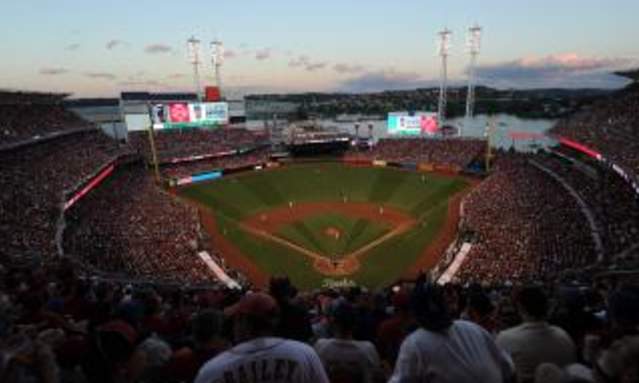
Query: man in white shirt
[346, 359]
[260, 357]
[535, 341]
[447, 351]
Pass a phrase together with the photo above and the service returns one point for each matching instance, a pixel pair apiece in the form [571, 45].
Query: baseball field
[330, 223]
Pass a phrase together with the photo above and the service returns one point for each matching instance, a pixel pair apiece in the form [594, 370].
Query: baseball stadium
[380, 229]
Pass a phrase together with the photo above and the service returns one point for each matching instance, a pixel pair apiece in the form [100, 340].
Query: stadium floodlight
[473, 43]
[443, 49]
[193, 50]
[217, 59]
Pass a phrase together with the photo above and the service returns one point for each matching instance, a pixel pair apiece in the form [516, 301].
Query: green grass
[355, 233]
[236, 197]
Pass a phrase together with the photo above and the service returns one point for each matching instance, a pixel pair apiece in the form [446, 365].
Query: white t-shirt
[265, 359]
[463, 353]
[350, 354]
[533, 343]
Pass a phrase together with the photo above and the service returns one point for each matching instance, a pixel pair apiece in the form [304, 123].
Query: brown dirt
[333, 233]
[274, 219]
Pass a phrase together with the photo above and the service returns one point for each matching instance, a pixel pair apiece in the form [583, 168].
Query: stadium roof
[146, 96]
[19, 97]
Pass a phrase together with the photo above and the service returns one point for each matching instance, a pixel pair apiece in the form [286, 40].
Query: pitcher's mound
[333, 232]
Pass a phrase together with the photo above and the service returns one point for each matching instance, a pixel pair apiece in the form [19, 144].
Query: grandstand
[88, 236]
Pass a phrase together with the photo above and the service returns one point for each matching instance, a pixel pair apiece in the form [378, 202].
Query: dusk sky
[99, 48]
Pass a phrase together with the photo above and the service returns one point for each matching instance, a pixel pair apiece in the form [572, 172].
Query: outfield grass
[355, 233]
[237, 197]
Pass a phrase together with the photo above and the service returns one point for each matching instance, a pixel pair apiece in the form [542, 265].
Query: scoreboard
[189, 115]
[412, 124]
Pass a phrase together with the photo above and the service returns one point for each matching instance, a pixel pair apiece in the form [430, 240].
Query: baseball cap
[401, 299]
[121, 328]
[255, 304]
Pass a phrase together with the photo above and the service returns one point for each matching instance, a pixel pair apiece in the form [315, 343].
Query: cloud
[298, 61]
[101, 75]
[314, 66]
[263, 54]
[389, 79]
[345, 68]
[559, 70]
[157, 48]
[112, 44]
[143, 83]
[53, 71]
[72, 47]
[306, 63]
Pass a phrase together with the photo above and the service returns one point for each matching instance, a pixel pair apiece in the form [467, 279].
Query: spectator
[294, 322]
[346, 359]
[258, 356]
[447, 350]
[208, 343]
[535, 341]
[392, 331]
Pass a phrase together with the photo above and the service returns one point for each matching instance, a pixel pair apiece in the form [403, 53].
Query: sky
[100, 48]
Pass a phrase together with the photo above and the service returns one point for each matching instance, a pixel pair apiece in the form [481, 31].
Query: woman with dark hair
[447, 350]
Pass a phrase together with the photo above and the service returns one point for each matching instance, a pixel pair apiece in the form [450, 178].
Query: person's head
[429, 305]
[479, 305]
[207, 326]
[255, 315]
[401, 301]
[342, 318]
[620, 363]
[280, 288]
[532, 303]
[624, 310]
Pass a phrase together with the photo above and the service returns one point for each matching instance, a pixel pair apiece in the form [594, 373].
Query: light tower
[217, 59]
[473, 41]
[442, 50]
[193, 49]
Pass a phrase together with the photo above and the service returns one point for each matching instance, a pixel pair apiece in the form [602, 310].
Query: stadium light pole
[217, 59]
[443, 51]
[193, 49]
[473, 42]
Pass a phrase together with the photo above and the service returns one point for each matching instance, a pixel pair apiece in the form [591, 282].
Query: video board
[189, 115]
[412, 124]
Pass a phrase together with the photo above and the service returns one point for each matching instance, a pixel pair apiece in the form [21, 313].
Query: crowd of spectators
[453, 151]
[26, 116]
[61, 326]
[526, 224]
[183, 143]
[610, 198]
[34, 181]
[185, 169]
[609, 126]
[129, 225]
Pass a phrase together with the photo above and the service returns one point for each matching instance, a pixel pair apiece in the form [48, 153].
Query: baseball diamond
[371, 225]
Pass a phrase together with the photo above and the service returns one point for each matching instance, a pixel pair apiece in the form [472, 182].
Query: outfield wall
[424, 167]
